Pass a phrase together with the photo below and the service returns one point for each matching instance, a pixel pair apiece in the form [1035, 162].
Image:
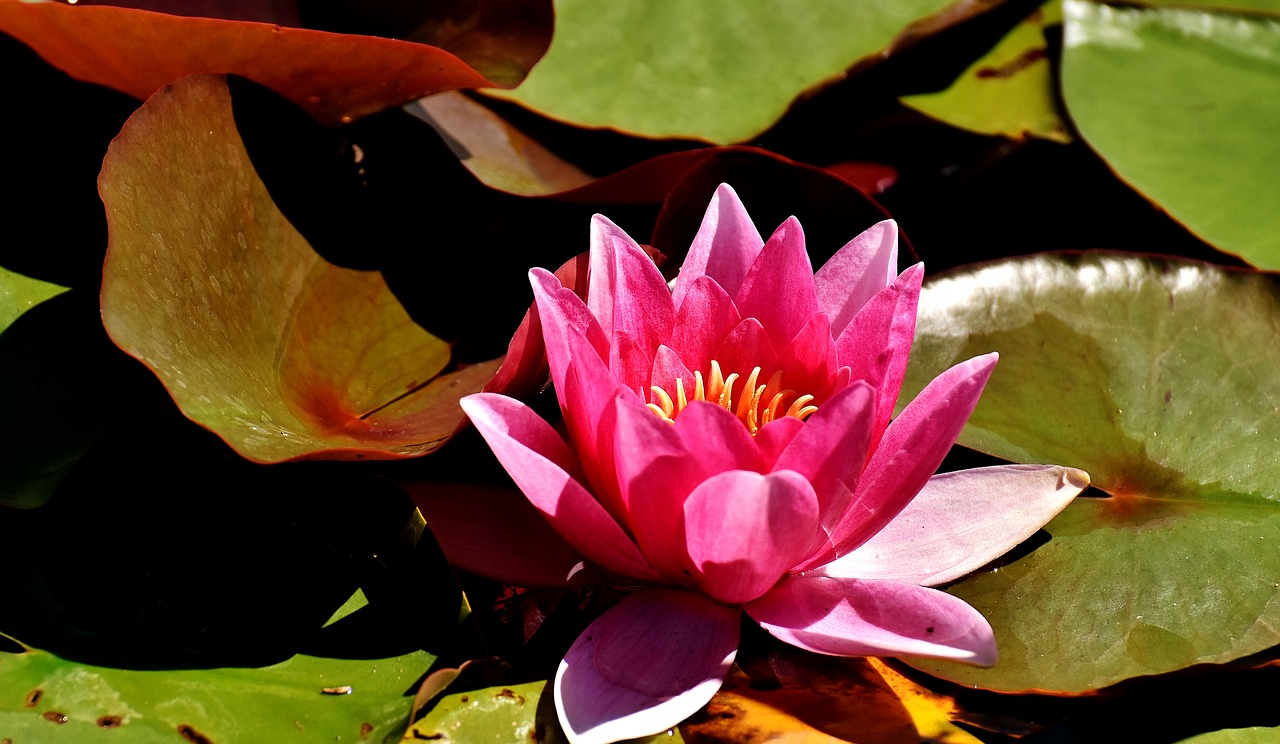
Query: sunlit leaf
[1009, 91]
[303, 698]
[825, 700]
[282, 354]
[716, 70]
[19, 294]
[1161, 378]
[333, 76]
[1182, 104]
[1254, 735]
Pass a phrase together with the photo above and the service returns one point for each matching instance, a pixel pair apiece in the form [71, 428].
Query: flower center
[755, 405]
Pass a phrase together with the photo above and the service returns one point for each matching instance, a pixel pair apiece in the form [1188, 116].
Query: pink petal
[627, 292]
[778, 288]
[747, 346]
[724, 247]
[744, 530]
[536, 459]
[809, 360]
[909, 453]
[630, 363]
[586, 400]
[667, 368]
[645, 665]
[774, 438]
[656, 473]
[705, 317]
[494, 531]
[852, 617]
[560, 311]
[717, 439]
[831, 449]
[961, 521]
[877, 342]
[863, 267]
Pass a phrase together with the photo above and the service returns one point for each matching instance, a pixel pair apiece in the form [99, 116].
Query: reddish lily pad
[721, 71]
[1159, 377]
[282, 354]
[335, 77]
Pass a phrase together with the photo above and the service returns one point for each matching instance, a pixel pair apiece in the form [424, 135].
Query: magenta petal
[831, 449]
[910, 451]
[627, 292]
[809, 360]
[961, 521]
[747, 346]
[877, 342]
[744, 530]
[778, 288]
[667, 368]
[724, 248]
[717, 439]
[774, 438]
[852, 617]
[645, 665]
[705, 317]
[863, 267]
[586, 399]
[535, 457]
[561, 311]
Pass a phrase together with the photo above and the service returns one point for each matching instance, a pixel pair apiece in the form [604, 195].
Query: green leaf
[282, 354]
[1183, 104]
[717, 70]
[1009, 91]
[1161, 378]
[19, 294]
[1257, 735]
[50, 698]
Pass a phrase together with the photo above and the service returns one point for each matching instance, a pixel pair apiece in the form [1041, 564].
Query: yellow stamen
[749, 405]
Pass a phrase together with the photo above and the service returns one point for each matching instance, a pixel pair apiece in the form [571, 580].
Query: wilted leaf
[721, 71]
[1009, 91]
[1183, 105]
[822, 700]
[304, 698]
[333, 76]
[282, 354]
[1160, 378]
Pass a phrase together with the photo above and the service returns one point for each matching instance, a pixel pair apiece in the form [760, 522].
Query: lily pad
[304, 698]
[1182, 103]
[335, 77]
[1009, 91]
[1161, 378]
[282, 354]
[19, 294]
[716, 70]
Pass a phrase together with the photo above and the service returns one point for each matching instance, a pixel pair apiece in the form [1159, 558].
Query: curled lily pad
[333, 76]
[282, 354]
[720, 71]
[1182, 104]
[1160, 378]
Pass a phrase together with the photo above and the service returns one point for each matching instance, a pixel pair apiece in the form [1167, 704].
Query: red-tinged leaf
[284, 12]
[283, 355]
[335, 77]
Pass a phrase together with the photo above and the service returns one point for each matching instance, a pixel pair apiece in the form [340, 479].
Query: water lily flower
[731, 447]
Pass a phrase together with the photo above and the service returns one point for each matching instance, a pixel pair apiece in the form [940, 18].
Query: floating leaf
[1255, 735]
[825, 700]
[1009, 91]
[282, 354]
[716, 70]
[303, 698]
[1182, 104]
[1161, 378]
[333, 76]
[19, 294]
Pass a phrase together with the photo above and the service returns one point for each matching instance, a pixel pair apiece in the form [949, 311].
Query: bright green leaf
[19, 294]
[1183, 104]
[1009, 91]
[1162, 379]
[1256, 735]
[258, 338]
[302, 699]
[718, 70]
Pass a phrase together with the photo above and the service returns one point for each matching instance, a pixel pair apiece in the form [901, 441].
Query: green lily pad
[1009, 91]
[1161, 378]
[257, 338]
[717, 70]
[1182, 104]
[305, 698]
[19, 294]
[1254, 735]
